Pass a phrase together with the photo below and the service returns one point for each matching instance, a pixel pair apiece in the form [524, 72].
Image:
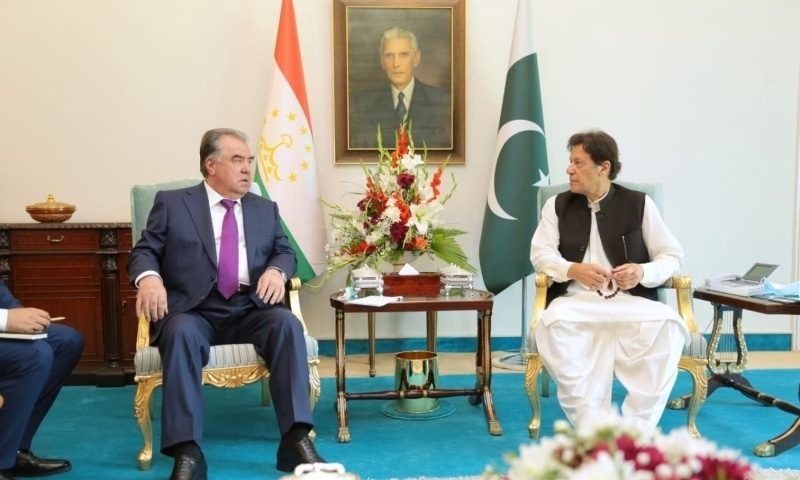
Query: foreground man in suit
[32, 373]
[191, 305]
[607, 249]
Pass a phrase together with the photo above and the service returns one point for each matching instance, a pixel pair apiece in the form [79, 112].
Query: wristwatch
[283, 274]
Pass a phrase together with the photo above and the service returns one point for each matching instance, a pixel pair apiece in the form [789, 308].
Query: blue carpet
[95, 429]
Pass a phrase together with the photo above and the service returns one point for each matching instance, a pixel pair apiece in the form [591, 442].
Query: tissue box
[426, 284]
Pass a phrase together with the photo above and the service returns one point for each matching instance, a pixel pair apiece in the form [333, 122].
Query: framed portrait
[394, 60]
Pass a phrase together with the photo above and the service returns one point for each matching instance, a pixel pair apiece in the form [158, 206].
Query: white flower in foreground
[607, 446]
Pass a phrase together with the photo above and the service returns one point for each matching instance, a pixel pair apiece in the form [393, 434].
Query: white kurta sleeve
[545, 256]
[666, 254]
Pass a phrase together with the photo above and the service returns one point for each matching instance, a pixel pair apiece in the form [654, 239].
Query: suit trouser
[31, 375]
[584, 357]
[185, 341]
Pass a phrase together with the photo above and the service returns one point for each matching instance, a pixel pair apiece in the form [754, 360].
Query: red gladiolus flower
[405, 209]
[437, 180]
[416, 243]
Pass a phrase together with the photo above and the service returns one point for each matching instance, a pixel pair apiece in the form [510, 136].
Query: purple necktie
[228, 264]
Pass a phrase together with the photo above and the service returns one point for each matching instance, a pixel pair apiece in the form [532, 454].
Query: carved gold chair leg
[142, 409]
[315, 382]
[696, 367]
[535, 365]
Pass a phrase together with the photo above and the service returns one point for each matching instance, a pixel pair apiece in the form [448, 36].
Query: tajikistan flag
[287, 171]
[520, 166]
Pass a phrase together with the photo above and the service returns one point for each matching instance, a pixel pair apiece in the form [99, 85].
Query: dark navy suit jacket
[430, 114]
[178, 243]
[7, 300]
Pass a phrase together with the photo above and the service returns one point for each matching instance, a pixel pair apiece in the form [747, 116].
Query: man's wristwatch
[283, 274]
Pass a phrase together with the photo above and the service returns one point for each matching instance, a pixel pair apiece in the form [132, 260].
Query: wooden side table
[479, 301]
[729, 372]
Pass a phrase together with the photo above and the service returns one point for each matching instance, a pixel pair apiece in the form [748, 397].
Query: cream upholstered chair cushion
[148, 361]
[233, 365]
[693, 359]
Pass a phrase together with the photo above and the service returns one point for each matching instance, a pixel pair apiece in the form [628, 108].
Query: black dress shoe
[188, 468]
[290, 455]
[29, 465]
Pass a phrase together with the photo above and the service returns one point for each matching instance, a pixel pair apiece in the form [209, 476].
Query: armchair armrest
[683, 288]
[292, 300]
[682, 284]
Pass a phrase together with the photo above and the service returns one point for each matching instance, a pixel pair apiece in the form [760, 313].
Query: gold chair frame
[695, 365]
[228, 377]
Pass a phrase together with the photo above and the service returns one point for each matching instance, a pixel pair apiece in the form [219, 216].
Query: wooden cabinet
[77, 270]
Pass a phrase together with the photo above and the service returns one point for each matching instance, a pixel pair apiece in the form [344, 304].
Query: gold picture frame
[362, 91]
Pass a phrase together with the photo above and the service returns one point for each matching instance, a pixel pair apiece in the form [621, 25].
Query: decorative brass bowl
[50, 211]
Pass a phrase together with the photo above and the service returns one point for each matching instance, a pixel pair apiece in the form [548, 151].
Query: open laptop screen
[759, 271]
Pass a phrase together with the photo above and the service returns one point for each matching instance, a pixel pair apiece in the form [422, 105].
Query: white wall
[97, 95]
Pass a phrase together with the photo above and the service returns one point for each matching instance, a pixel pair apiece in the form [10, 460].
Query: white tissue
[407, 270]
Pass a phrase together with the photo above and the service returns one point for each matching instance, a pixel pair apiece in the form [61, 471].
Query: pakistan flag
[520, 166]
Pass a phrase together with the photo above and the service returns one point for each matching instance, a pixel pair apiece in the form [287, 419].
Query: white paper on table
[374, 300]
[407, 270]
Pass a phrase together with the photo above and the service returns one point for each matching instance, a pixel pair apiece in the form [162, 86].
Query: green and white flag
[520, 166]
[286, 171]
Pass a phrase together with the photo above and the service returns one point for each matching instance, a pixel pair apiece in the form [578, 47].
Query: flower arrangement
[612, 447]
[399, 212]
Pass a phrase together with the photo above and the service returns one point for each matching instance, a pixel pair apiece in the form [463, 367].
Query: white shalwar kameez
[585, 339]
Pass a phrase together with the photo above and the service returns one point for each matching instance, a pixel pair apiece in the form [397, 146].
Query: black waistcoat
[619, 222]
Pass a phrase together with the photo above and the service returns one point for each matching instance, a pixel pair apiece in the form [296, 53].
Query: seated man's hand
[27, 320]
[151, 300]
[590, 275]
[628, 275]
[270, 288]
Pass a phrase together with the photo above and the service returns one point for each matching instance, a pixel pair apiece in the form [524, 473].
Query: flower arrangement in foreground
[399, 212]
[610, 447]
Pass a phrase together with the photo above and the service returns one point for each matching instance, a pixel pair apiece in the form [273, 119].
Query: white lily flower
[410, 162]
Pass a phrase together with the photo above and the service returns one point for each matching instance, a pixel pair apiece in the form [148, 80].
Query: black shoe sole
[44, 474]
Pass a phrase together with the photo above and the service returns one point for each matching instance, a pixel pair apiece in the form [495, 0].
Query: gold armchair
[693, 360]
[230, 366]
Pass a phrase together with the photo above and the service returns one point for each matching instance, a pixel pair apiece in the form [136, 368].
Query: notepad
[22, 336]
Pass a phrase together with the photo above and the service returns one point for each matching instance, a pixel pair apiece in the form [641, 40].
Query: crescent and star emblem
[508, 130]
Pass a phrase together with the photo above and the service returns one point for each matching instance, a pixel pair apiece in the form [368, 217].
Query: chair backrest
[142, 198]
[653, 190]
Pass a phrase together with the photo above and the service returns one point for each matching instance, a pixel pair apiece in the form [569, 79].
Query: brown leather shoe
[188, 468]
[29, 465]
[290, 455]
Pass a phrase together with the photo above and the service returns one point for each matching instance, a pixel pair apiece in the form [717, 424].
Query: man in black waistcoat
[607, 249]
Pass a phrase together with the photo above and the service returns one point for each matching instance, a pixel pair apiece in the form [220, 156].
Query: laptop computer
[751, 283]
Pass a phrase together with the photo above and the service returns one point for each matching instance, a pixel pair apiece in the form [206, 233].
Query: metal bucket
[416, 370]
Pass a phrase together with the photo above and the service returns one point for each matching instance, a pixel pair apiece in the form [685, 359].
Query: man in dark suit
[426, 107]
[192, 305]
[32, 373]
